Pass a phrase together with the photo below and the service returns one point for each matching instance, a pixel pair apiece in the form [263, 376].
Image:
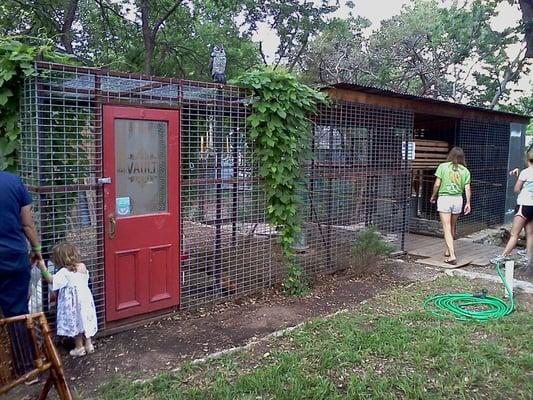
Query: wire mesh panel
[359, 177]
[486, 147]
[227, 243]
[60, 160]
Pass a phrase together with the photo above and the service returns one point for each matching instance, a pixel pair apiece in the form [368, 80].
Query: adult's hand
[35, 257]
[514, 172]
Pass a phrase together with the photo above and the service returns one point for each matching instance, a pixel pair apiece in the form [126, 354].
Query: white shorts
[450, 204]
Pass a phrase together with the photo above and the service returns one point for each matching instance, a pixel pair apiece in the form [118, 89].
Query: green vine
[280, 129]
[16, 64]
[62, 155]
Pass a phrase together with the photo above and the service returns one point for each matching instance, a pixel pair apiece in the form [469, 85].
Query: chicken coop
[155, 180]
[493, 143]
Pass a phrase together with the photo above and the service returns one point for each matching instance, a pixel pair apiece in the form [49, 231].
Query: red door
[141, 210]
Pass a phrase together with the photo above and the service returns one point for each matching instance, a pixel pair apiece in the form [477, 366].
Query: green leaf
[5, 94]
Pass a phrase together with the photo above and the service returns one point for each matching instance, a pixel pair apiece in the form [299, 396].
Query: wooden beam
[421, 106]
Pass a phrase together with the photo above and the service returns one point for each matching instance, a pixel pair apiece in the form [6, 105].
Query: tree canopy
[450, 53]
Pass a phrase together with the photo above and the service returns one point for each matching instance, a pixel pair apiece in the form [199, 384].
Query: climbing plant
[63, 159]
[16, 64]
[281, 132]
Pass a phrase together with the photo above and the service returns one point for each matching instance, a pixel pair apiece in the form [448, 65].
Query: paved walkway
[431, 251]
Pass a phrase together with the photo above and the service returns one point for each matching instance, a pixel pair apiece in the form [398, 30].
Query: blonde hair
[456, 156]
[529, 156]
[66, 255]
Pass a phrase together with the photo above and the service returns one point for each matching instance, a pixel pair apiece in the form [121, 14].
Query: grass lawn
[385, 349]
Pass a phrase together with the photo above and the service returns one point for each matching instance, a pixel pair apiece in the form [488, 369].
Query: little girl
[76, 315]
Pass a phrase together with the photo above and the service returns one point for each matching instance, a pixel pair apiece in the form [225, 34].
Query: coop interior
[434, 136]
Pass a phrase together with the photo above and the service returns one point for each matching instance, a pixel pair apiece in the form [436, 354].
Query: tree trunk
[150, 33]
[66, 35]
[148, 38]
[527, 18]
[148, 55]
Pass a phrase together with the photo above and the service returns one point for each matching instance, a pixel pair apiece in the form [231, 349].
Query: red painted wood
[142, 261]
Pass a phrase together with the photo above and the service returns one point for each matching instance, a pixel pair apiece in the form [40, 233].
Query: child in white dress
[76, 314]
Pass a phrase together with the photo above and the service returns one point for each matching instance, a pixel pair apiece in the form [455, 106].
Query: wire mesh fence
[359, 176]
[486, 148]
[226, 243]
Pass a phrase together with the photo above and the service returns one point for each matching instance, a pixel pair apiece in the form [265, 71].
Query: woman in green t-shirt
[452, 180]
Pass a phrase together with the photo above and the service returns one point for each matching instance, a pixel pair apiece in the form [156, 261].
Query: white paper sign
[410, 150]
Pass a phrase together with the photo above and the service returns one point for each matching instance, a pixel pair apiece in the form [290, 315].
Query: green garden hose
[465, 306]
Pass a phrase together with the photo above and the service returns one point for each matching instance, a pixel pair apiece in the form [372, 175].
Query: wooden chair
[28, 337]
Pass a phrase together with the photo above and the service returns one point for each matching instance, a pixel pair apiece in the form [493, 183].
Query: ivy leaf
[5, 94]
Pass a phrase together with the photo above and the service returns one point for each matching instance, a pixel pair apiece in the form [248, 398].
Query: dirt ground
[163, 345]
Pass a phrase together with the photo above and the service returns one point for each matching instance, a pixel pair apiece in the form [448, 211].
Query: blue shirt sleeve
[24, 195]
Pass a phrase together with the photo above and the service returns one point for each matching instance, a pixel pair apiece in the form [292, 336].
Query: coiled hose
[466, 306]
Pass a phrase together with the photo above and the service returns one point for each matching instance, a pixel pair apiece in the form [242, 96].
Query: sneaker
[78, 352]
[89, 349]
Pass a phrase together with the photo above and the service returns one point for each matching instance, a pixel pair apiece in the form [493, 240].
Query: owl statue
[217, 63]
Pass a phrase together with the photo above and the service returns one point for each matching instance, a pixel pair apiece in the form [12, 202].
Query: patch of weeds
[295, 283]
[368, 249]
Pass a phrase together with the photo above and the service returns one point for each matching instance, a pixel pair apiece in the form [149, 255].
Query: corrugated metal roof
[390, 93]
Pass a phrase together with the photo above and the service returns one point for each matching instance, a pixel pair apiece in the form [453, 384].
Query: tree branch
[165, 17]
[262, 53]
[300, 52]
[510, 74]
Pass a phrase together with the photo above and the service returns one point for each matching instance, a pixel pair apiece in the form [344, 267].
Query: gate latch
[104, 181]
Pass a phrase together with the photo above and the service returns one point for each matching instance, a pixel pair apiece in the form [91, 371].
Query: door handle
[112, 226]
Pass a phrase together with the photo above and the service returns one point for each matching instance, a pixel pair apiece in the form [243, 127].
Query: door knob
[112, 226]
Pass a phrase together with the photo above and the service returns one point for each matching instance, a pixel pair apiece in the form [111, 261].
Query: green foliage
[63, 159]
[168, 37]
[368, 248]
[280, 130]
[16, 60]
[16, 64]
[449, 52]
[294, 282]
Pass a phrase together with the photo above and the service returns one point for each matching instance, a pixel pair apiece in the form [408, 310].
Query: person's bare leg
[454, 219]
[78, 341]
[518, 224]
[528, 269]
[446, 221]
[529, 239]
[89, 347]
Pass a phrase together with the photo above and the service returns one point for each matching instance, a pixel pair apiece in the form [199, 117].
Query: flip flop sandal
[451, 262]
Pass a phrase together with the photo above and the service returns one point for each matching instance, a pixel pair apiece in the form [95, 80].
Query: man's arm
[28, 227]
[468, 194]
[436, 187]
